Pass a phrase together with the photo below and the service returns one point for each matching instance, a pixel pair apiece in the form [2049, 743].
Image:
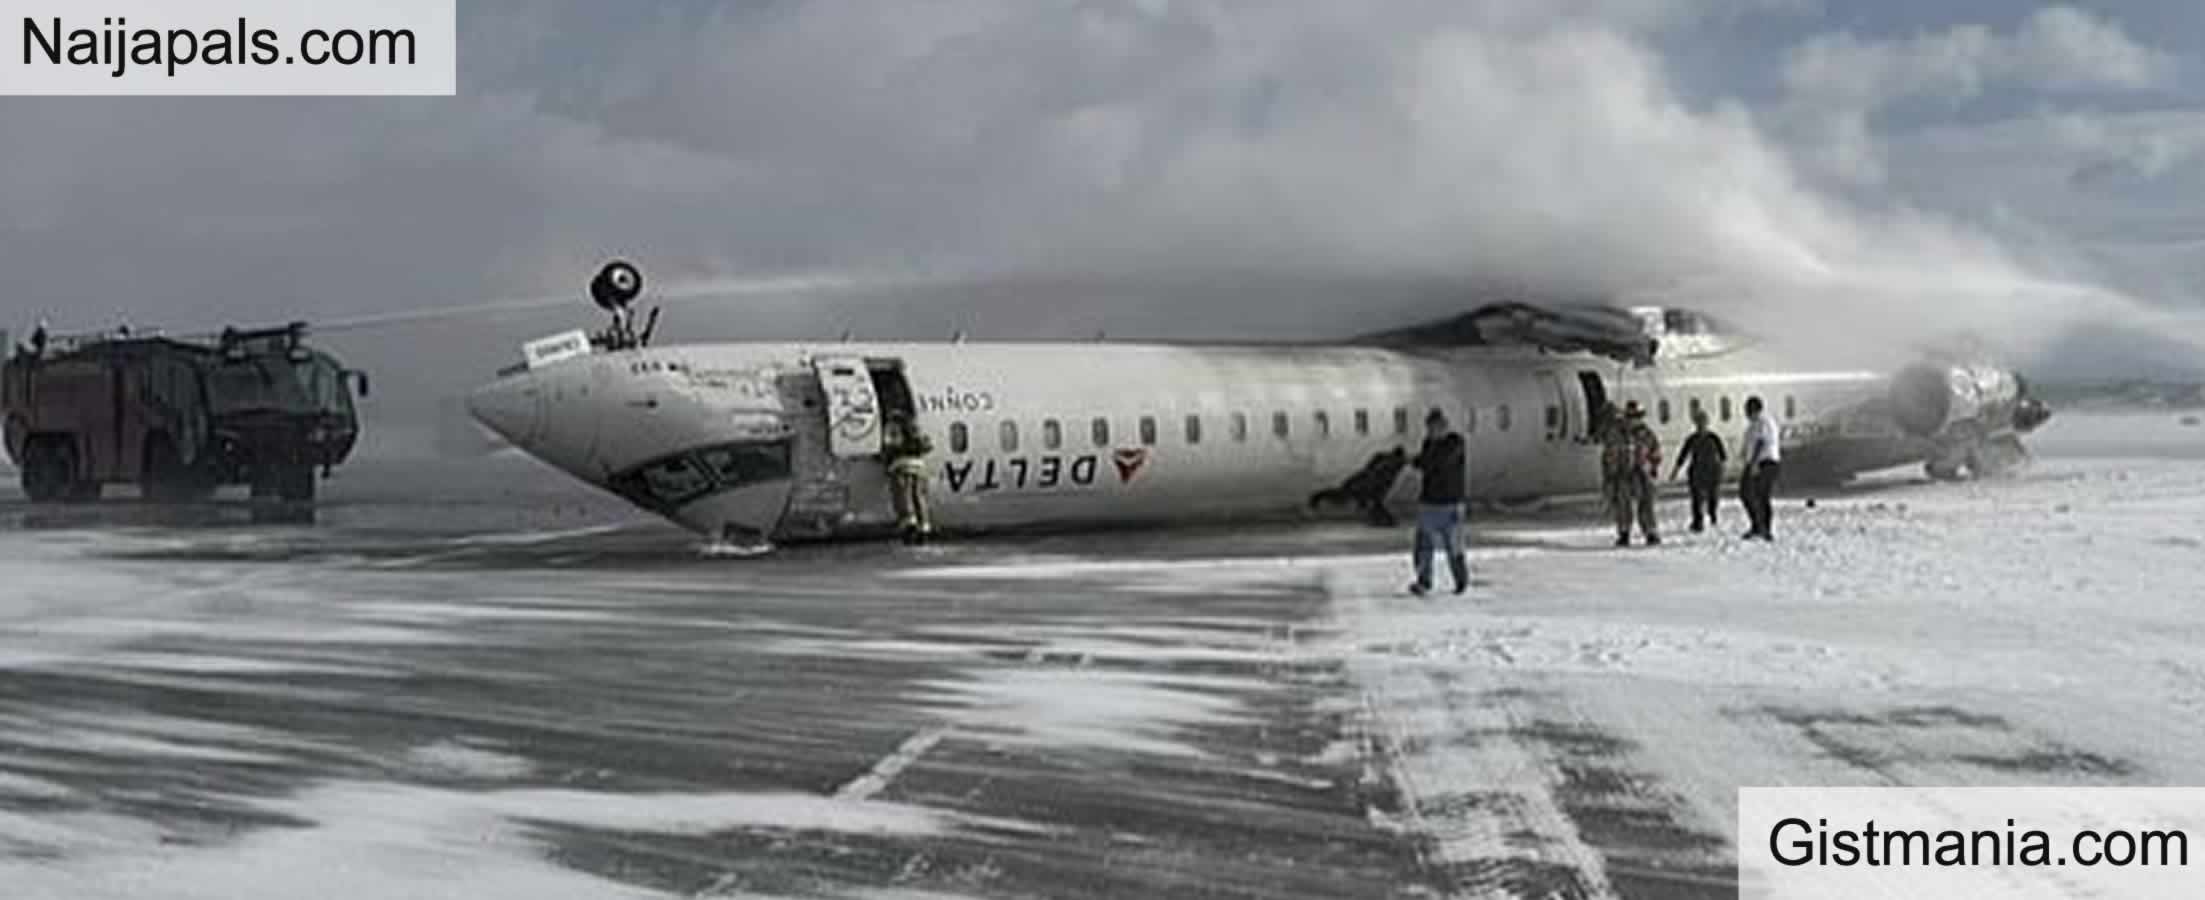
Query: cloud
[1837, 83]
[1187, 169]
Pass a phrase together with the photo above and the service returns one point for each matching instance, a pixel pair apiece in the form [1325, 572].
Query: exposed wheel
[167, 478]
[283, 493]
[47, 470]
[295, 484]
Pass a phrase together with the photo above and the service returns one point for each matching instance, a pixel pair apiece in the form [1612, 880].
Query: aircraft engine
[1929, 399]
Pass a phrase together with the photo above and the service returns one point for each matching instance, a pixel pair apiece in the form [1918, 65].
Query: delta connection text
[116, 46]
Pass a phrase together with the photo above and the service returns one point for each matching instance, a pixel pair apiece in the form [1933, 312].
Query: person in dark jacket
[1368, 487]
[1444, 464]
[1704, 454]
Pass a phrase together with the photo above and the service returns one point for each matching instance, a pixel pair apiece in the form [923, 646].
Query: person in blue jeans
[1444, 465]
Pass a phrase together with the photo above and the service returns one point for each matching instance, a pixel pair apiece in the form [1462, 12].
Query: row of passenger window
[1052, 431]
[1663, 411]
[1191, 429]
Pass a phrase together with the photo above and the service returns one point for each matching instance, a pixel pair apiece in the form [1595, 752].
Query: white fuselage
[778, 440]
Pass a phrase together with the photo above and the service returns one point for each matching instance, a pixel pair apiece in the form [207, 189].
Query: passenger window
[1101, 432]
[1554, 416]
[1504, 417]
[1194, 429]
[1663, 409]
[1400, 420]
[1362, 423]
[1791, 408]
[1240, 428]
[1324, 424]
[1279, 424]
[1010, 436]
[1052, 434]
[1148, 431]
[960, 440]
[1726, 409]
[1695, 407]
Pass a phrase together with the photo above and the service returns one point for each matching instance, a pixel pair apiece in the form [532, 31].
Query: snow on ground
[1579, 723]
[1595, 710]
[269, 713]
[404, 841]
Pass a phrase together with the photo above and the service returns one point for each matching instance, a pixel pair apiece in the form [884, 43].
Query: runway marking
[1406, 708]
[1253, 564]
[476, 543]
[865, 786]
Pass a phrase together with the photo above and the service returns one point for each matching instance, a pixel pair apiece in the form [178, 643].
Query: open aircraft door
[853, 408]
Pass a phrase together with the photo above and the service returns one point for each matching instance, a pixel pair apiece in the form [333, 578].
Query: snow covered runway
[521, 691]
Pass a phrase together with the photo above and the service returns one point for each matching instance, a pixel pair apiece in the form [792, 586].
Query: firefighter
[1704, 454]
[1630, 462]
[907, 476]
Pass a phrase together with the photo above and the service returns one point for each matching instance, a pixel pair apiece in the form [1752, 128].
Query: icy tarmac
[473, 680]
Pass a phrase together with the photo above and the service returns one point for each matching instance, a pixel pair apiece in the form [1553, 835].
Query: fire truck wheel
[167, 478]
[295, 483]
[46, 474]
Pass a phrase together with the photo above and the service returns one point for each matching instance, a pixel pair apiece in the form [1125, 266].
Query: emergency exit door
[1556, 414]
[853, 408]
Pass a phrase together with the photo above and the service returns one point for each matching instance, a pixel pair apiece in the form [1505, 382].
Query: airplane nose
[512, 407]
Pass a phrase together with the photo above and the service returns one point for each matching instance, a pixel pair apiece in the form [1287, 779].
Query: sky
[1184, 168]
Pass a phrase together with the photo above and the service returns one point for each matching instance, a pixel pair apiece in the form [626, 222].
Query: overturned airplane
[760, 442]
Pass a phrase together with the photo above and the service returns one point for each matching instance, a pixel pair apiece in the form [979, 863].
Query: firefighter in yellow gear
[1630, 463]
[907, 480]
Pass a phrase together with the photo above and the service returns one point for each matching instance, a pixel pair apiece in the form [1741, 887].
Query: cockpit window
[742, 464]
[675, 480]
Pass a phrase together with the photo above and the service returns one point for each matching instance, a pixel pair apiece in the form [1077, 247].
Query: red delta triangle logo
[1129, 461]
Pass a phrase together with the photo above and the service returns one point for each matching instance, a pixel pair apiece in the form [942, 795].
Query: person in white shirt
[1762, 451]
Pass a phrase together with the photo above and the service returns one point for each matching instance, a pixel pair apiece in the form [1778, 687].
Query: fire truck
[180, 417]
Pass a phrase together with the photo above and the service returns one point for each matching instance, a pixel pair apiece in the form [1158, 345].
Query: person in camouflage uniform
[1630, 462]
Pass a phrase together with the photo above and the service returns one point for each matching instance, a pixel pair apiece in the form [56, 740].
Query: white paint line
[1271, 565]
[886, 770]
[481, 542]
[1425, 727]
